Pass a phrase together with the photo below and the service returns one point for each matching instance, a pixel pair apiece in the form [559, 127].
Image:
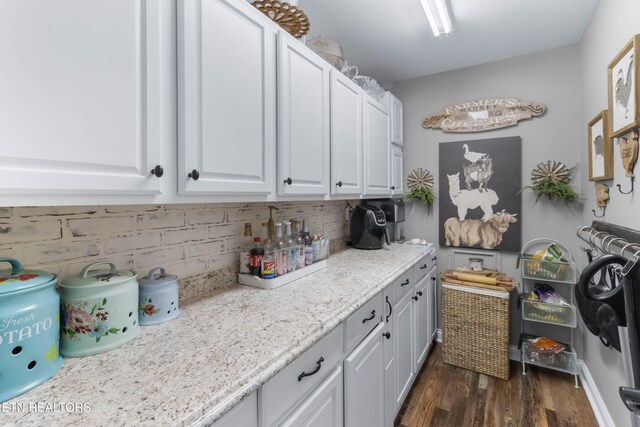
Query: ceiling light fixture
[438, 17]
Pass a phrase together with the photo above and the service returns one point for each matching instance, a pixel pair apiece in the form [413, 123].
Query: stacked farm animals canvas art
[479, 202]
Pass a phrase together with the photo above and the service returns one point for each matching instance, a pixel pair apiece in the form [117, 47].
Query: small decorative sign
[602, 195]
[481, 115]
[629, 153]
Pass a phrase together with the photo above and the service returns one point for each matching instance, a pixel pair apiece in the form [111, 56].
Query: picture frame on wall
[600, 148]
[624, 107]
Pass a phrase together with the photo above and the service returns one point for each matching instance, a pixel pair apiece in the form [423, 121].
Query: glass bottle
[291, 249]
[268, 270]
[308, 241]
[280, 251]
[298, 242]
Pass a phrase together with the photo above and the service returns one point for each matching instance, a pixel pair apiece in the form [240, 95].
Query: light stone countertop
[192, 370]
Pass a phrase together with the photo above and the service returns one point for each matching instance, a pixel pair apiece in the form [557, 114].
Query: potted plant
[420, 182]
[553, 180]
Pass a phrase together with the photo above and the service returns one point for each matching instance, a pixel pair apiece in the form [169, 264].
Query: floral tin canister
[158, 297]
[99, 310]
[29, 329]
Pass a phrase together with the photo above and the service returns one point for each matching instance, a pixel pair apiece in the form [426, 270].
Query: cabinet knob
[339, 183]
[433, 278]
[157, 171]
[194, 175]
[393, 187]
[288, 181]
[415, 297]
[420, 293]
[387, 335]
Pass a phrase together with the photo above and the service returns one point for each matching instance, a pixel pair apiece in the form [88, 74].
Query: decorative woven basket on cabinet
[475, 331]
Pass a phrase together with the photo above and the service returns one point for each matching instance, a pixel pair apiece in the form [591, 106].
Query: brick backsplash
[187, 239]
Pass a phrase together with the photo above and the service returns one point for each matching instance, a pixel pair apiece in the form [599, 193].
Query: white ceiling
[391, 40]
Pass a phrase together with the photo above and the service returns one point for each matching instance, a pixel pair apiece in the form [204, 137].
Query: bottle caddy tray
[256, 282]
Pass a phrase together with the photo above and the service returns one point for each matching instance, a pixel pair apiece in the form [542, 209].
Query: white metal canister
[158, 297]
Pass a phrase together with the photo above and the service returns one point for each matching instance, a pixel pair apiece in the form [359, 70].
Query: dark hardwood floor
[445, 395]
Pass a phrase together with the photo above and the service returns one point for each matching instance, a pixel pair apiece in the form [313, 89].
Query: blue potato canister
[158, 297]
[99, 310]
[29, 329]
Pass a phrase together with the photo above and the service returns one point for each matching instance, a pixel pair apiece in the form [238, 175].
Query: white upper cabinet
[397, 179]
[346, 135]
[376, 162]
[227, 104]
[303, 119]
[80, 104]
[395, 107]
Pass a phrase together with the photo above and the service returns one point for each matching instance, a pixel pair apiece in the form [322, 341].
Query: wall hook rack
[626, 192]
[602, 210]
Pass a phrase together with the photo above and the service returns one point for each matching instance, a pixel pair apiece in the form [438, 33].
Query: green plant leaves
[422, 193]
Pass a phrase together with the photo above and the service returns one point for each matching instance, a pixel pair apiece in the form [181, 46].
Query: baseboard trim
[597, 404]
[439, 335]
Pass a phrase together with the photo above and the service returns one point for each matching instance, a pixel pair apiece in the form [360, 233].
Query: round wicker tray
[289, 17]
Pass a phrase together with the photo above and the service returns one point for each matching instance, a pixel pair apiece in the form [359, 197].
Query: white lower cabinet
[404, 343]
[422, 331]
[389, 361]
[391, 335]
[244, 414]
[364, 382]
[323, 408]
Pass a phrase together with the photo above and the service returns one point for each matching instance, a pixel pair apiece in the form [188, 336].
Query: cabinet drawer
[425, 265]
[360, 323]
[282, 392]
[402, 285]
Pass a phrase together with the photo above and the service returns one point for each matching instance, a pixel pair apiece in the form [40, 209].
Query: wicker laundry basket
[475, 332]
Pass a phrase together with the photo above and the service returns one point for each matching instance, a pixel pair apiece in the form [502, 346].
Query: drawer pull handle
[373, 315]
[423, 267]
[315, 371]
[435, 258]
[390, 309]
[387, 335]
[420, 293]
[405, 283]
[415, 297]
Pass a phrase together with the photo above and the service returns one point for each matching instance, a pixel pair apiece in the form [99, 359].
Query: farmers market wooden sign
[481, 115]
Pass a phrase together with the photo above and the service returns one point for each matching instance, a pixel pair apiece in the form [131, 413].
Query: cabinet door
[323, 408]
[81, 95]
[303, 119]
[389, 361]
[226, 64]
[396, 170]
[364, 382]
[396, 121]
[403, 335]
[433, 304]
[244, 414]
[346, 135]
[376, 148]
[422, 322]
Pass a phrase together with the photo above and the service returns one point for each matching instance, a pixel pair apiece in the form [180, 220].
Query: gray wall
[612, 26]
[551, 78]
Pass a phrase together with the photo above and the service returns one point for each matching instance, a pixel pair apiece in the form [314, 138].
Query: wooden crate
[475, 333]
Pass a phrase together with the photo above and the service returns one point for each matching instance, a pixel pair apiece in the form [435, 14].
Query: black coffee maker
[368, 227]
